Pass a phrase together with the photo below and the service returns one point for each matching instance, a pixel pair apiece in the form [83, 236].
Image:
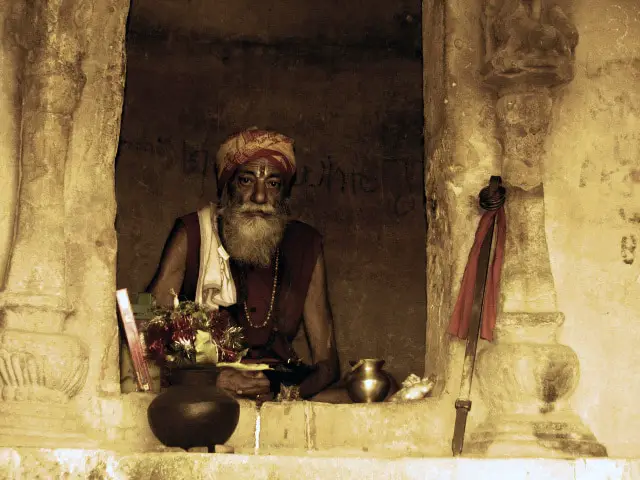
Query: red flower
[156, 334]
[183, 331]
[156, 350]
[220, 321]
[170, 335]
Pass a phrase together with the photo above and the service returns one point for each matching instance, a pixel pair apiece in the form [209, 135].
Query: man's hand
[243, 383]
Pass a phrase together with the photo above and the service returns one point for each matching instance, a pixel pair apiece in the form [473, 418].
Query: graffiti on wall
[398, 181]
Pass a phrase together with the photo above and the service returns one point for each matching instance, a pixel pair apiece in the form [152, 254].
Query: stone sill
[102, 464]
[420, 428]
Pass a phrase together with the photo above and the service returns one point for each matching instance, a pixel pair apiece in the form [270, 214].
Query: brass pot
[368, 382]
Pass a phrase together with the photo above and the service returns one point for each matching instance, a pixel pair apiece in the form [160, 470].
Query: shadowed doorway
[346, 83]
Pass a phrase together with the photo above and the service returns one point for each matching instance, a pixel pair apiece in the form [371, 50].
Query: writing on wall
[397, 181]
[194, 159]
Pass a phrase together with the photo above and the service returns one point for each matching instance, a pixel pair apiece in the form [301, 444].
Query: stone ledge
[17, 464]
[418, 428]
[122, 425]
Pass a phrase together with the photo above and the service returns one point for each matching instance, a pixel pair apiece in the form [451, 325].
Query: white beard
[252, 239]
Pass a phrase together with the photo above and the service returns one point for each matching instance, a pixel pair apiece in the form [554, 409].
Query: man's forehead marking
[260, 168]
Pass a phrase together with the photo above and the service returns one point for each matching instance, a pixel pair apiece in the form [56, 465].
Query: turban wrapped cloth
[253, 144]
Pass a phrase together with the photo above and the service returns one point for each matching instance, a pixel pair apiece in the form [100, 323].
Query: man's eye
[244, 180]
[274, 184]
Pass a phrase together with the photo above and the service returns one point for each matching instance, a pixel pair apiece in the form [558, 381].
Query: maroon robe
[299, 252]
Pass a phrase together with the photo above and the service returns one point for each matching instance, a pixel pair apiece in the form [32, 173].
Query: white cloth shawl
[215, 286]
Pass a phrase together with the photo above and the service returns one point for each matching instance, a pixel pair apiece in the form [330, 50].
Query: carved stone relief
[38, 362]
[526, 376]
[528, 39]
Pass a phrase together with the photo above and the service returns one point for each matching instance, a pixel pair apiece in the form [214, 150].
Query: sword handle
[462, 411]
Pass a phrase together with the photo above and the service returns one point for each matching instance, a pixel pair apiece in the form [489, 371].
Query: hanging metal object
[491, 199]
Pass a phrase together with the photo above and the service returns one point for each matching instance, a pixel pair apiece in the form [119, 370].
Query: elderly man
[245, 255]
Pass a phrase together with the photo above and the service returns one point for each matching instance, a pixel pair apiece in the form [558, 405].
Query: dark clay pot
[193, 412]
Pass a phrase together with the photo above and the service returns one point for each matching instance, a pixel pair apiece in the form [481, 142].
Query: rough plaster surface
[90, 203]
[394, 24]
[17, 464]
[9, 146]
[356, 120]
[593, 224]
[437, 156]
[591, 189]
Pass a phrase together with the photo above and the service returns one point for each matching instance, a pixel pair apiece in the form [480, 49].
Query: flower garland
[191, 333]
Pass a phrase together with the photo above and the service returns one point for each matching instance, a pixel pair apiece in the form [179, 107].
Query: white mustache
[253, 208]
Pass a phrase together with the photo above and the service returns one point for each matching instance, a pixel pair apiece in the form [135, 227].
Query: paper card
[143, 378]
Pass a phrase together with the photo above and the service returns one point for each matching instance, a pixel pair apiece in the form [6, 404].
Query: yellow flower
[206, 348]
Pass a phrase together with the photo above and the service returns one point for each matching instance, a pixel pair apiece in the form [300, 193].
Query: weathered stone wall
[355, 111]
[591, 179]
[462, 153]
[90, 201]
[593, 218]
[109, 465]
[9, 142]
[62, 90]
[437, 153]
[374, 22]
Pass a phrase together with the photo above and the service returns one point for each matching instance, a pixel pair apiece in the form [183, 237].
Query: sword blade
[463, 403]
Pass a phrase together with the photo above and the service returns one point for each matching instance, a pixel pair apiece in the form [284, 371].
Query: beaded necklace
[273, 297]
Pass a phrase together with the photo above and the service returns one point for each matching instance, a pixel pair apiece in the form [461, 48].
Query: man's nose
[259, 195]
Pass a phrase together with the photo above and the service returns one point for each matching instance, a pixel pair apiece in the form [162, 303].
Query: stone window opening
[354, 107]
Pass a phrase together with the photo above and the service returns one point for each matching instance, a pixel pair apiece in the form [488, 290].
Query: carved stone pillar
[9, 141]
[41, 368]
[526, 376]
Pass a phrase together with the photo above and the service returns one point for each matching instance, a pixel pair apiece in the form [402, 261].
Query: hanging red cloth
[459, 323]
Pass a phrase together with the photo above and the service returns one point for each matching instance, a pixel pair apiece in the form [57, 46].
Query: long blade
[463, 403]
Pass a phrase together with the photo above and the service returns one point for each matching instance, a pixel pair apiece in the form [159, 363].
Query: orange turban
[253, 144]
